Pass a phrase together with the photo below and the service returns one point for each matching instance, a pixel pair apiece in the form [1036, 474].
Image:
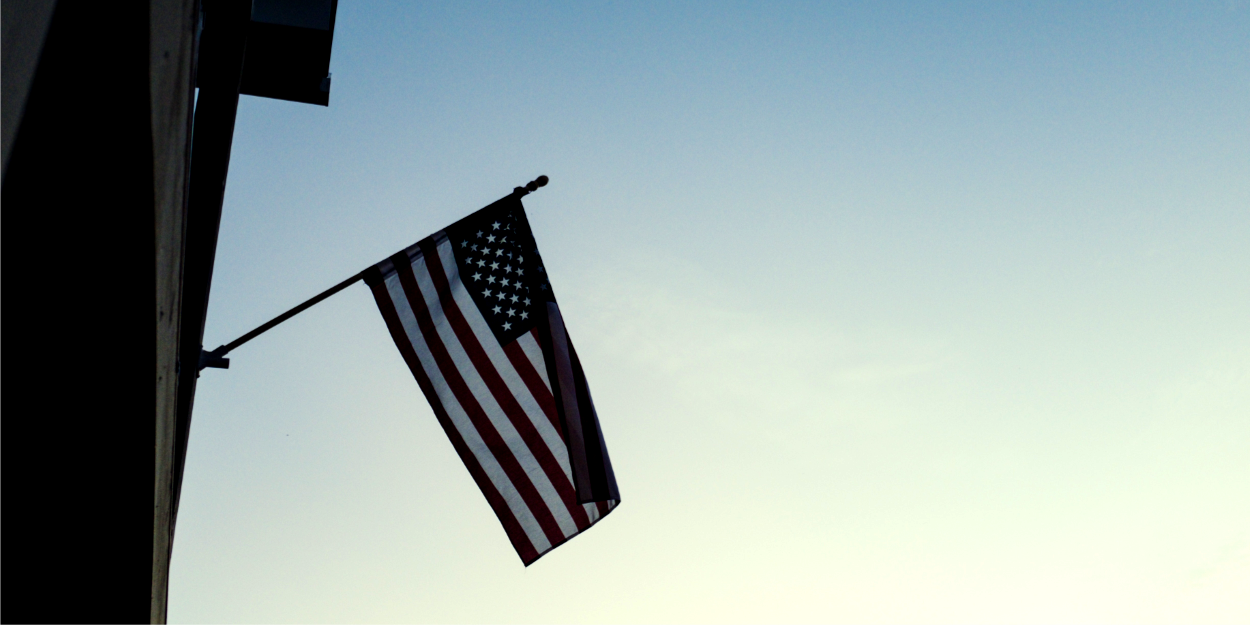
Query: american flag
[474, 316]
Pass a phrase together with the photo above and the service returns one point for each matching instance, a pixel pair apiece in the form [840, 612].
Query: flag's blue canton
[500, 267]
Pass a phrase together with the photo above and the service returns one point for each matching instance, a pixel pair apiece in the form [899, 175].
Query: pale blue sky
[892, 312]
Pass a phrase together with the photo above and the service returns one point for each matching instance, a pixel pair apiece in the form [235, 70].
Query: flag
[474, 316]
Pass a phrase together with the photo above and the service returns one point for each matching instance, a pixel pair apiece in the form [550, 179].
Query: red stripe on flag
[511, 527]
[464, 396]
[499, 389]
[542, 394]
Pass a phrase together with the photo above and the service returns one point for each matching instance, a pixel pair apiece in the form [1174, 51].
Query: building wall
[25, 24]
[172, 58]
[101, 140]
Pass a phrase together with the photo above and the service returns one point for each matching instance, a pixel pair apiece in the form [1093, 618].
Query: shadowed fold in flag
[474, 316]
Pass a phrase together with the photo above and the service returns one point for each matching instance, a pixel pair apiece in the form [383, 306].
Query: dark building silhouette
[99, 113]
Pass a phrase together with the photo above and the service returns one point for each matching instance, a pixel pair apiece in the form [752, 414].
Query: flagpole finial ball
[531, 186]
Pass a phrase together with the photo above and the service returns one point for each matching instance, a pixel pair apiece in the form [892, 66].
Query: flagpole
[216, 358]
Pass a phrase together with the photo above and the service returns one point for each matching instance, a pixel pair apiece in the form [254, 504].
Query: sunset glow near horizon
[892, 313]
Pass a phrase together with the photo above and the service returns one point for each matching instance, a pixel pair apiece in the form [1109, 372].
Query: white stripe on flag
[473, 316]
[485, 398]
[461, 421]
[529, 345]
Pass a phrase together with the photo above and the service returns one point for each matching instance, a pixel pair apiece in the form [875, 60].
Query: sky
[893, 313]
